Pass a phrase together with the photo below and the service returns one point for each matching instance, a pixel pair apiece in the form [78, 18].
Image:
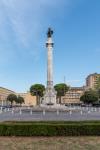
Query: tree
[61, 89]
[98, 91]
[37, 90]
[11, 98]
[20, 100]
[89, 97]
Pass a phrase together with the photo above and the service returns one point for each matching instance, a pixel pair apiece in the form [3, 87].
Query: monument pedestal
[49, 96]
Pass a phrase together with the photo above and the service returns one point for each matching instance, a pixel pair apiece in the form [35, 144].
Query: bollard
[57, 112]
[31, 112]
[8, 109]
[43, 112]
[70, 112]
[12, 111]
[81, 112]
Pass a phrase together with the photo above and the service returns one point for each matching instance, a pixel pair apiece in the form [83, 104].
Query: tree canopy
[61, 89]
[37, 90]
[11, 98]
[89, 97]
[20, 100]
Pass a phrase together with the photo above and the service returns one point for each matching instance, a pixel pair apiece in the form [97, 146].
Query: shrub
[50, 128]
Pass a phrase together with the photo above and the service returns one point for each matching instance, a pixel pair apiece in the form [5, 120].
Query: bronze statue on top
[50, 32]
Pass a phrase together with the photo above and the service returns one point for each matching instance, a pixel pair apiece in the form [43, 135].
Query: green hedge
[49, 128]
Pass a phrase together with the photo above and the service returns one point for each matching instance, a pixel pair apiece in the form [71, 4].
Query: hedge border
[53, 128]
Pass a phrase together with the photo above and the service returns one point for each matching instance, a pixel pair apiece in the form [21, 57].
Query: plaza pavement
[32, 114]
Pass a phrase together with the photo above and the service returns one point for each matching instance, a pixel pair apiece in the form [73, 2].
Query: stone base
[55, 106]
[49, 98]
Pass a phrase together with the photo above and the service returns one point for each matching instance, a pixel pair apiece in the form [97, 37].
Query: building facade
[29, 100]
[92, 81]
[73, 95]
[4, 94]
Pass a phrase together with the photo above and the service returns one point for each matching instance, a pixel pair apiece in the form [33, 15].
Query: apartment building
[92, 81]
[73, 95]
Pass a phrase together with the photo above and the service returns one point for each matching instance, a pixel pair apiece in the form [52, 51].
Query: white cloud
[26, 16]
[23, 21]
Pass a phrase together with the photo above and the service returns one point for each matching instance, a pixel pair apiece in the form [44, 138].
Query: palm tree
[11, 98]
[37, 90]
[20, 100]
[61, 89]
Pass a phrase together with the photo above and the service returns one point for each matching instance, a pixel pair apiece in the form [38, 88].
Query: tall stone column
[50, 93]
[49, 46]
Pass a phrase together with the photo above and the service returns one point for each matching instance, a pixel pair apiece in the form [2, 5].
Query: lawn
[50, 143]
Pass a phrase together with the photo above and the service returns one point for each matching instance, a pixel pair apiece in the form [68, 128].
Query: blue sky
[23, 27]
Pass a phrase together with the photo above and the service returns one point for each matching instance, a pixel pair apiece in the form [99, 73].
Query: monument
[50, 93]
